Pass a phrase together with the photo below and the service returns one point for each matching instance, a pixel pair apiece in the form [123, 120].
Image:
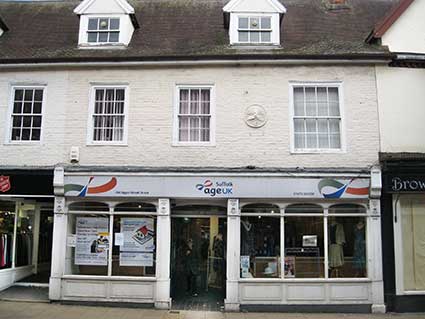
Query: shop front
[26, 226]
[403, 203]
[257, 241]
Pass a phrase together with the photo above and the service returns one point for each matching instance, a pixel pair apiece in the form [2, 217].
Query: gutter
[196, 63]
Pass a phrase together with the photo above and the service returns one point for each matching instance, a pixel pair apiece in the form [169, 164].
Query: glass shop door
[198, 264]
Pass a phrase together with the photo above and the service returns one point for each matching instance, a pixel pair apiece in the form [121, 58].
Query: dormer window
[105, 23]
[254, 29]
[103, 30]
[254, 22]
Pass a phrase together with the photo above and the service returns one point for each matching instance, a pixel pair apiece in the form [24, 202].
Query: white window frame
[9, 122]
[274, 24]
[176, 103]
[92, 99]
[103, 31]
[125, 32]
[337, 84]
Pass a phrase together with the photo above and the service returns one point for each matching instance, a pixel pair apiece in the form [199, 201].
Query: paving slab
[32, 310]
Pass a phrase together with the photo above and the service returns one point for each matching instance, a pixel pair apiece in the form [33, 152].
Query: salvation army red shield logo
[4, 184]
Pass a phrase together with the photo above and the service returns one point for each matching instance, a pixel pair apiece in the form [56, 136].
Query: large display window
[111, 242]
[260, 241]
[319, 241]
[409, 226]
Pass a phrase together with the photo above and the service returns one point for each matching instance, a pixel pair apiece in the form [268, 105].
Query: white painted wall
[401, 94]
[151, 117]
[407, 33]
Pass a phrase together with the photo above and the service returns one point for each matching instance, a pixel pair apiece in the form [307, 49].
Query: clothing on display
[5, 250]
[336, 245]
[248, 238]
[359, 254]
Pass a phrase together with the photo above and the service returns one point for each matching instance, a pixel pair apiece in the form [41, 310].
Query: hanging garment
[336, 249]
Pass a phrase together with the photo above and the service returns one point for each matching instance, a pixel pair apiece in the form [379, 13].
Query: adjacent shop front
[250, 241]
[403, 203]
[26, 226]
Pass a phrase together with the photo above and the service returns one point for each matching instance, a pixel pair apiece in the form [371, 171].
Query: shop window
[304, 246]
[260, 242]
[412, 226]
[134, 248]
[133, 240]
[347, 242]
[7, 220]
[88, 244]
[24, 235]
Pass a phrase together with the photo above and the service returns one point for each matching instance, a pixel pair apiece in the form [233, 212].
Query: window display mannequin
[248, 238]
[359, 252]
[336, 247]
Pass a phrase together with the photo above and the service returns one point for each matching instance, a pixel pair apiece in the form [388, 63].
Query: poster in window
[92, 241]
[290, 267]
[138, 240]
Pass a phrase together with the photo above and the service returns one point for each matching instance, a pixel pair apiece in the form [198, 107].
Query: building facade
[219, 151]
[402, 158]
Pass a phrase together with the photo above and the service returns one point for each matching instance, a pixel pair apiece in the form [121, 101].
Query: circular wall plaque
[255, 116]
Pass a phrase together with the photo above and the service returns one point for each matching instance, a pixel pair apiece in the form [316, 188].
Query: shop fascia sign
[216, 187]
[405, 184]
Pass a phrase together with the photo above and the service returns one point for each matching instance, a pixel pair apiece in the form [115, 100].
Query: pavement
[37, 310]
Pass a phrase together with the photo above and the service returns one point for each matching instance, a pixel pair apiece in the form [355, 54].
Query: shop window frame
[325, 215]
[110, 212]
[398, 243]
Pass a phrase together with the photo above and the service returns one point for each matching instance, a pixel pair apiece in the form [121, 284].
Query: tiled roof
[190, 29]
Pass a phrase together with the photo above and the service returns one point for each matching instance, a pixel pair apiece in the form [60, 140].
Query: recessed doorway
[198, 264]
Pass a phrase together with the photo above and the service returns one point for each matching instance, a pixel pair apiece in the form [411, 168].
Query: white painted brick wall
[151, 117]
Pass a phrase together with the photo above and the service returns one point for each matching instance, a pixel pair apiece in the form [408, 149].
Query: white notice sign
[138, 241]
[92, 241]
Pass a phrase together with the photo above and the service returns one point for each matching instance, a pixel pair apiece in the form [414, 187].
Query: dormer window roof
[109, 23]
[254, 22]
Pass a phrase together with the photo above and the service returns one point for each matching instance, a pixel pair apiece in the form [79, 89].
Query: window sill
[193, 144]
[108, 46]
[255, 46]
[28, 143]
[318, 151]
[107, 144]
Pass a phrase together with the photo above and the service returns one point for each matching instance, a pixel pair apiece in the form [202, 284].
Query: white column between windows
[163, 251]
[233, 255]
[60, 226]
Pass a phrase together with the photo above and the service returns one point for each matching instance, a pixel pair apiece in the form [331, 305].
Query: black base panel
[106, 304]
[406, 303]
[307, 308]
